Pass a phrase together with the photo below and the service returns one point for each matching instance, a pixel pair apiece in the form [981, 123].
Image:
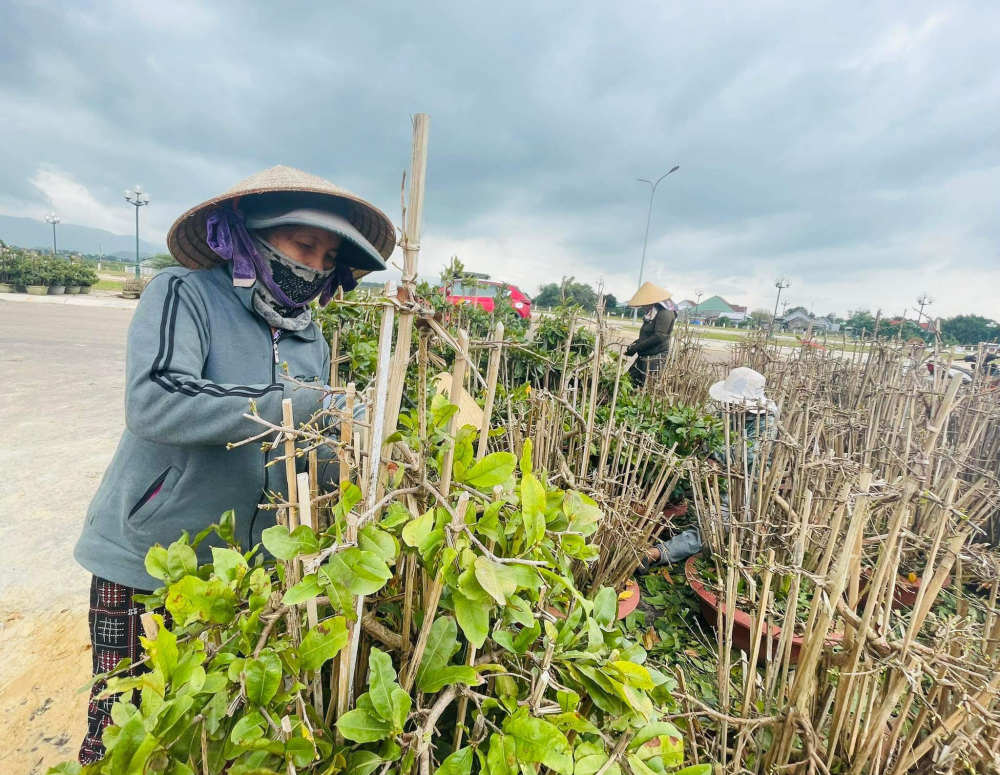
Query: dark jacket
[197, 355]
[654, 336]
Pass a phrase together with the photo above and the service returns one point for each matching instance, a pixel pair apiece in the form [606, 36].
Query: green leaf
[225, 563]
[491, 470]
[656, 729]
[495, 579]
[181, 560]
[362, 727]
[396, 515]
[473, 617]
[525, 576]
[436, 680]
[458, 763]
[194, 599]
[502, 757]
[638, 766]
[284, 545]
[606, 607]
[363, 573]
[350, 494]
[536, 740]
[163, 653]
[381, 682]
[416, 530]
[300, 751]
[526, 461]
[401, 703]
[65, 768]
[633, 674]
[156, 564]
[489, 524]
[377, 541]
[248, 728]
[362, 763]
[227, 527]
[442, 643]
[322, 643]
[263, 676]
[697, 769]
[306, 589]
[533, 508]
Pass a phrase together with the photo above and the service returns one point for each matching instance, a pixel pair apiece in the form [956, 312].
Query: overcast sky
[852, 146]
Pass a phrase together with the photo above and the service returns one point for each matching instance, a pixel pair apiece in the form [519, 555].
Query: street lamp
[137, 198]
[652, 192]
[53, 219]
[924, 300]
[781, 283]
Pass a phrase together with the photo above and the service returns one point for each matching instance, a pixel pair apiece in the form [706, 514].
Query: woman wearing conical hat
[207, 338]
[654, 336]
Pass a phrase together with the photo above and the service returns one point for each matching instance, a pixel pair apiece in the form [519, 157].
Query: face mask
[299, 283]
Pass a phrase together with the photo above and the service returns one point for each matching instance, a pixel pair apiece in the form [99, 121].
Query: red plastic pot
[675, 510]
[709, 603]
[904, 595]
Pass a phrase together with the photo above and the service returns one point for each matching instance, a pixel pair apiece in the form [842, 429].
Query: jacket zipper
[274, 376]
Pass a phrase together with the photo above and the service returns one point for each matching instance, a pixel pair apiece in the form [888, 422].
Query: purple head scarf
[229, 238]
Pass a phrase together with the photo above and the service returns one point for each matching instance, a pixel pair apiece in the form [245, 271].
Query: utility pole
[137, 199]
[53, 219]
[649, 215]
[781, 283]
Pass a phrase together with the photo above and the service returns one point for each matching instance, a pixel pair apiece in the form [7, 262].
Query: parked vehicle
[481, 290]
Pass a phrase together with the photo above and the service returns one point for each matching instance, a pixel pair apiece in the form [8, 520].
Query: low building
[800, 322]
[713, 308]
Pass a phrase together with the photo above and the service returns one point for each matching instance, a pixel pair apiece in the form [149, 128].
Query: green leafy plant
[549, 677]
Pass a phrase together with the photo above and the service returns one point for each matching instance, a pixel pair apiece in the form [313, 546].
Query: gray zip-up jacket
[197, 355]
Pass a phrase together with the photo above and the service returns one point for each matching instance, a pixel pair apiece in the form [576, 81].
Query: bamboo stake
[496, 354]
[309, 517]
[455, 399]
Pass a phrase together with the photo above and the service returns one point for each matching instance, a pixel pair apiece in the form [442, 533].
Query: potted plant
[133, 287]
[33, 276]
[56, 277]
[72, 275]
[8, 257]
[88, 278]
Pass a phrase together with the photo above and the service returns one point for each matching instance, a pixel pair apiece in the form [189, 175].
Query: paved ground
[61, 413]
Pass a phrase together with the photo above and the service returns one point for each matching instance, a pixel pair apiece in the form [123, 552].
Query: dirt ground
[61, 408]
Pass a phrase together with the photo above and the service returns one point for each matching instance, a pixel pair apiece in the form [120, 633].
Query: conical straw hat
[187, 238]
[649, 293]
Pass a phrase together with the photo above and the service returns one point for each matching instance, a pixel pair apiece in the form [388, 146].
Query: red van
[482, 291]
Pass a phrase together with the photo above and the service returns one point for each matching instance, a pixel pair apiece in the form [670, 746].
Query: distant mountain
[32, 233]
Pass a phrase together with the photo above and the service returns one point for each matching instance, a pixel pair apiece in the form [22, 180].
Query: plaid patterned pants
[115, 627]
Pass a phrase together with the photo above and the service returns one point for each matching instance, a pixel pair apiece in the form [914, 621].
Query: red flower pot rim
[741, 618]
[625, 607]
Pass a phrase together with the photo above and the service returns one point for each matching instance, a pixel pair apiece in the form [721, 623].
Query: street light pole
[781, 283]
[137, 198]
[53, 219]
[649, 215]
[924, 300]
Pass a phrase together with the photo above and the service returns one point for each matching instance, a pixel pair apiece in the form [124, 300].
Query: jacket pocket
[153, 498]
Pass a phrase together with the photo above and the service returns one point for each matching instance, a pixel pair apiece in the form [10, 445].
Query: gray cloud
[840, 143]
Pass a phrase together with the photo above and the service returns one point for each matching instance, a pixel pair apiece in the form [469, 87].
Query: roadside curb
[108, 302]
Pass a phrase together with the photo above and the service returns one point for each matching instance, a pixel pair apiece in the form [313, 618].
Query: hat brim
[719, 393]
[649, 294]
[363, 256]
[187, 239]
